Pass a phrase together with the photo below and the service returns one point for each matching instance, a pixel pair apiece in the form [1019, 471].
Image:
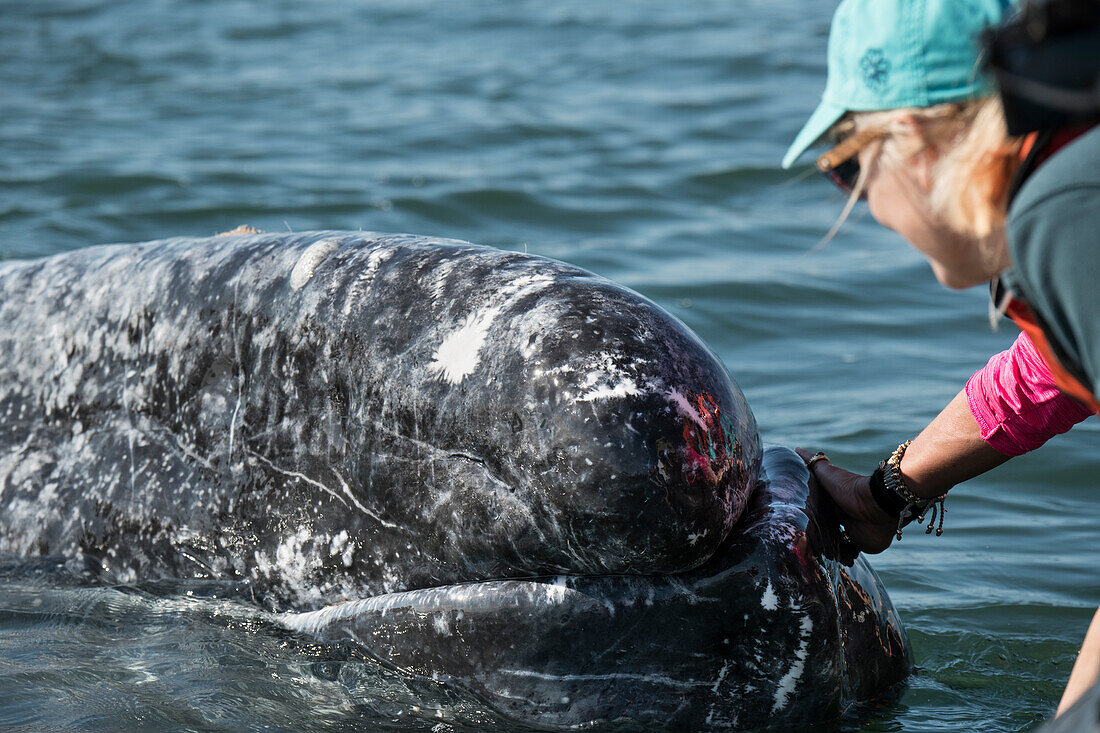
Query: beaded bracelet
[889, 491]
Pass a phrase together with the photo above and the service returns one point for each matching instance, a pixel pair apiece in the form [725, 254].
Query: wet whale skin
[331, 415]
[483, 466]
[778, 628]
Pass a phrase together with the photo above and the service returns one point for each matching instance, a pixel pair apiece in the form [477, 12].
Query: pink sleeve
[1016, 403]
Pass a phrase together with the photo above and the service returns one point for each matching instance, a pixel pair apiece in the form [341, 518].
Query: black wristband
[887, 501]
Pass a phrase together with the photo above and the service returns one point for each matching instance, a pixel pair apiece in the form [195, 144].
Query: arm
[1008, 407]
[1085, 669]
[950, 450]
[1016, 402]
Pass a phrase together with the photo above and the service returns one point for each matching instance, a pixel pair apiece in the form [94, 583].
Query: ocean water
[638, 139]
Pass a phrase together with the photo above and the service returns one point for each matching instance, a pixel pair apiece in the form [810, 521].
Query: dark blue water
[637, 139]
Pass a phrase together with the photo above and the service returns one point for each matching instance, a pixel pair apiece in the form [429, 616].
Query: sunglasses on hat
[841, 163]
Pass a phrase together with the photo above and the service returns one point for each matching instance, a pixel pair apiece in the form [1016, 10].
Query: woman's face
[899, 198]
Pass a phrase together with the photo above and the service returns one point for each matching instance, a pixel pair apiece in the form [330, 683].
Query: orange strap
[1028, 144]
[1021, 313]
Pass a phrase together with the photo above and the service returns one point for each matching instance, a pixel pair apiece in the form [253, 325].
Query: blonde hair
[976, 159]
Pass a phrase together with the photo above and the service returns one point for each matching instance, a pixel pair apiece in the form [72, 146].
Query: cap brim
[824, 117]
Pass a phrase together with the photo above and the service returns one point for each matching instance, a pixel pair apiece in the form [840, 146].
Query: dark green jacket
[1054, 239]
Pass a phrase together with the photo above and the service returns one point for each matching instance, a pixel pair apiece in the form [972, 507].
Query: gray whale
[348, 417]
[771, 630]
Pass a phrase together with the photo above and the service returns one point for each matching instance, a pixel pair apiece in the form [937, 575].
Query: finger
[834, 479]
[831, 475]
[812, 461]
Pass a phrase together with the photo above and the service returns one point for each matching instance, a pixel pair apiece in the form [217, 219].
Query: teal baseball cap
[887, 54]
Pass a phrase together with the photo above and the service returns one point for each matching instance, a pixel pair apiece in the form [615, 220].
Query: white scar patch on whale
[439, 281]
[607, 380]
[770, 601]
[625, 388]
[366, 278]
[309, 261]
[458, 356]
[685, 407]
[459, 353]
[788, 681]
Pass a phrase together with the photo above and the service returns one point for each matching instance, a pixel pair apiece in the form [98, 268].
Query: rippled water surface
[637, 139]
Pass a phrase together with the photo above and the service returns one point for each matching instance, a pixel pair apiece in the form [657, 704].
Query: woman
[921, 136]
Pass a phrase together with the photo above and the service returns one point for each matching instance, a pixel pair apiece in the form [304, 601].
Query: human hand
[870, 528]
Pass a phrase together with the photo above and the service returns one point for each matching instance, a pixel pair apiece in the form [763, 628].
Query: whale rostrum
[771, 630]
[396, 437]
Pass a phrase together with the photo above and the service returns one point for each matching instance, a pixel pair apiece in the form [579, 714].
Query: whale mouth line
[471, 595]
[492, 594]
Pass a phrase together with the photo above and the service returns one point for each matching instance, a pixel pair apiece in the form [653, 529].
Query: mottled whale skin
[334, 415]
[772, 630]
[485, 467]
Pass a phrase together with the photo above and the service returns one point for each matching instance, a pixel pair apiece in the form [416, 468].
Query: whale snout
[769, 630]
